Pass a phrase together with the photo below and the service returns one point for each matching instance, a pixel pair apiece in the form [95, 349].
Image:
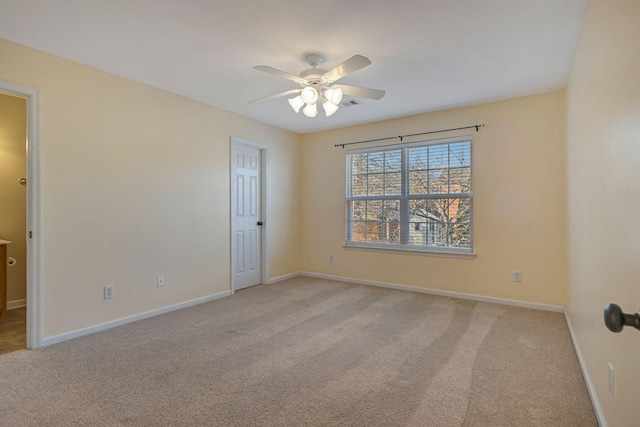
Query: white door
[246, 211]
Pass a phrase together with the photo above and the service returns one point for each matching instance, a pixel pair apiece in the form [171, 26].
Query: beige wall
[135, 183]
[13, 195]
[519, 203]
[603, 128]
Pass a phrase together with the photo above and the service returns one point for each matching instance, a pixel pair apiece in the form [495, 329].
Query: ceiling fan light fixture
[329, 107]
[296, 103]
[315, 86]
[333, 95]
[311, 110]
[309, 95]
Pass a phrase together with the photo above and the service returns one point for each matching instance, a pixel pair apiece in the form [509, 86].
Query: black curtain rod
[477, 127]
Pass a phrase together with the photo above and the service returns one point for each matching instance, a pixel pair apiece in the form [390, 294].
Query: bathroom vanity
[3, 279]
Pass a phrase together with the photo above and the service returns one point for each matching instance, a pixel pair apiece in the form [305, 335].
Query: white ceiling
[427, 54]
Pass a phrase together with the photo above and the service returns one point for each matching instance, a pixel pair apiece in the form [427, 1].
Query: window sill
[444, 253]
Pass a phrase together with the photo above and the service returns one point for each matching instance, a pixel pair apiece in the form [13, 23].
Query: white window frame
[467, 253]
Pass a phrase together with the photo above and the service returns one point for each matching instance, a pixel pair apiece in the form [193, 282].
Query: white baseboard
[460, 295]
[129, 319]
[585, 374]
[283, 277]
[16, 303]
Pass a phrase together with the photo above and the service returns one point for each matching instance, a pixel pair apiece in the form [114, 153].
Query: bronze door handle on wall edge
[616, 320]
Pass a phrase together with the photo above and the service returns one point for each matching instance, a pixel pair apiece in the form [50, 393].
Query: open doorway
[20, 276]
[13, 223]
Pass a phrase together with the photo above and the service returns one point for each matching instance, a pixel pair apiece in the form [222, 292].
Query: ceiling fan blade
[352, 64]
[280, 73]
[278, 95]
[361, 92]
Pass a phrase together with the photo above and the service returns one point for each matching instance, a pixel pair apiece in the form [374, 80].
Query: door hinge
[30, 234]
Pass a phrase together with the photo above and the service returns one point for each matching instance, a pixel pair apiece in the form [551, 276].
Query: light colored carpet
[308, 352]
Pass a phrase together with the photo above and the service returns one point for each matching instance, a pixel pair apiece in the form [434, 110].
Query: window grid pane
[436, 200]
[440, 169]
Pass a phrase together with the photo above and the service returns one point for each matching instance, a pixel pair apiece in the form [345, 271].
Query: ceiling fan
[317, 84]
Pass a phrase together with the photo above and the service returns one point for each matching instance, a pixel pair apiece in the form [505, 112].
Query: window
[411, 197]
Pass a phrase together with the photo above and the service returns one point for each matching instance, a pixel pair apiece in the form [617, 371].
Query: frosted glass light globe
[309, 95]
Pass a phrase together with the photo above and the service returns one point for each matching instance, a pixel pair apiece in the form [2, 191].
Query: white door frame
[34, 240]
[264, 201]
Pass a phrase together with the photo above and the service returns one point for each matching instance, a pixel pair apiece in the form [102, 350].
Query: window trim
[422, 250]
[451, 252]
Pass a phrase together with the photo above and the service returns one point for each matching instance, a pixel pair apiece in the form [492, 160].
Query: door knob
[615, 319]
[259, 223]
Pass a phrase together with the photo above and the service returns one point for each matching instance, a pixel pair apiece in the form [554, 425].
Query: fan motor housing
[313, 75]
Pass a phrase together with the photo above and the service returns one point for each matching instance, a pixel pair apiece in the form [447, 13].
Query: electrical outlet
[611, 384]
[161, 280]
[109, 292]
[517, 276]
[331, 258]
